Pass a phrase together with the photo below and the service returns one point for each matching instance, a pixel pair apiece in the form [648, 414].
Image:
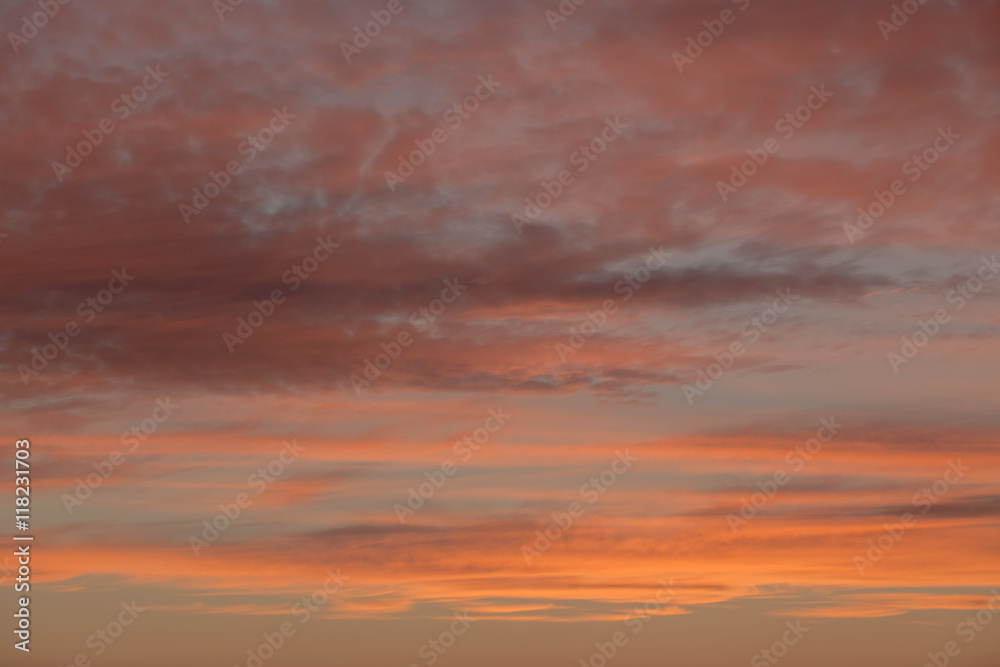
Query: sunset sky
[527, 314]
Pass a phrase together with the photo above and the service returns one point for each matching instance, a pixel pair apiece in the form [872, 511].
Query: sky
[476, 333]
